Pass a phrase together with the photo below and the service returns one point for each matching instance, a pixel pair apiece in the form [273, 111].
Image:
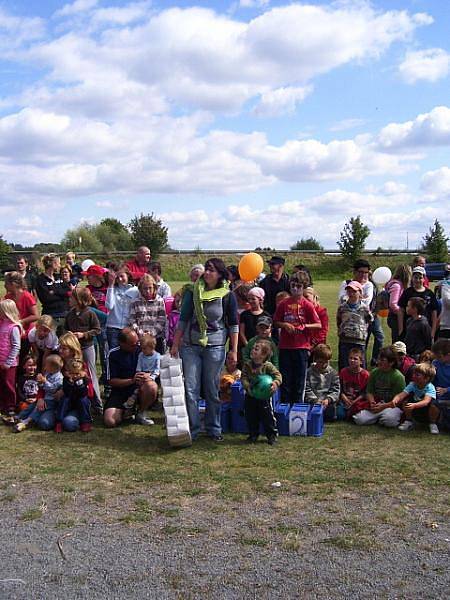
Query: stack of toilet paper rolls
[177, 421]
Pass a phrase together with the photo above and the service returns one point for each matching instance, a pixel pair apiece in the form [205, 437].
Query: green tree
[113, 235]
[435, 244]
[353, 239]
[147, 230]
[307, 244]
[5, 249]
[82, 239]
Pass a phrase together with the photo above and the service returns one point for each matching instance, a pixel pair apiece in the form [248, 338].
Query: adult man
[123, 379]
[276, 282]
[361, 273]
[24, 269]
[138, 266]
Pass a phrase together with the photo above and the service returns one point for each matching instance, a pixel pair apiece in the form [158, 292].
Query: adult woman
[395, 287]
[249, 318]
[418, 290]
[119, 296]
[148, 312]
[26, 305]
[208, 318]
[51, 293]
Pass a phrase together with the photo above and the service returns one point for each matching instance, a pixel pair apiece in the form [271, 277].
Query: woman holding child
[208, 319]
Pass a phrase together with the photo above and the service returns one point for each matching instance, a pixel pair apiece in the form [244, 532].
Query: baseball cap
[355, 285]
[95, 270]
[276, 260]
[420, 270]
[399, 347]
[265, 321]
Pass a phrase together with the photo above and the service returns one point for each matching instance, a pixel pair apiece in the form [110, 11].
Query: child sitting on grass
[230, 374]
[263, 332]
[74, 407]
[385, 382]
[43, 339]
[418, 330]
[353, 385]
[416, 400]
[260, 410]
[322, 382]
[27, 385]
[148, 368]
[43, 413]
[441, 350]
[405, 363]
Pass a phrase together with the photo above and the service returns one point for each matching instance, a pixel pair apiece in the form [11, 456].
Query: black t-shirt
[271, 289]
[122, 365]
[249, 320]
[431, 303]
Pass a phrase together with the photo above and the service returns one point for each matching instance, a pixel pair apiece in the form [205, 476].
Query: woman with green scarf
[208, 319]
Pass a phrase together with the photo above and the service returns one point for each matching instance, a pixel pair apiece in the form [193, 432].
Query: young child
[27, 385]
[322, 382]
[416, 400]
[148, 368]
[66, 277]
[97, 285]
[43, 413]
[74, 407]
[263, 332]
[353, 319]
[230, 374]
[318, 336]
[296, 317]
[260, 410]
[353, 384]
[441, 350]
[43, 339]
[385, 382]
[426, 357]
[405, 363]
[121, 293]
[84, 324]
[173, 318]
[10, 334]
[162, 288]
[418, 330]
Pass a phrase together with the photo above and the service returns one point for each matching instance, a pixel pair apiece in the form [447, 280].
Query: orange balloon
[383, 312]
[250, 266]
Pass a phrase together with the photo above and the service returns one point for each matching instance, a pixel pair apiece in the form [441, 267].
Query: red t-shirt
[136, 270]
[297, 312]
[99, 294]
[353, 384]
[319, 336]
[24, 304]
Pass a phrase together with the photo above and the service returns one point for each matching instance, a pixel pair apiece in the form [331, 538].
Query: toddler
[263, 332]
[322, 382]
[27, 384]
[416, 400]
[353, 384]
[10, 334]
[147, 368]
[353, 318]
[43, 339]
[43, 413]
[230, 374]
[173, 318]
[74, 407]
[260, 410]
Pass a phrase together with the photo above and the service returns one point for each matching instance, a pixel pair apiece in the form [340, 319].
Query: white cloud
[104, 204]
[18, 32]
[122, 15]
[253, 3]
[425, 65]
[79, 6]
[437, 184]
[429, 129]
[281, 101]
[346, 124]
[31, 221]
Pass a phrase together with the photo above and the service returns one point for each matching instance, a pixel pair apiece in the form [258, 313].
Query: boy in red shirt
[296, 318]
[353, 384]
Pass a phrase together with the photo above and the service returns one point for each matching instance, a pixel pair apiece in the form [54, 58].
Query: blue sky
[241, 124]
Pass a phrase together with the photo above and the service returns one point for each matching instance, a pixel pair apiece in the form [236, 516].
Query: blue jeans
[201, 368]
[293, 367]
[376, 330]
[73, 412]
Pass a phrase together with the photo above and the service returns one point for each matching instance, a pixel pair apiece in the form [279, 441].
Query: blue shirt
[420, 393]
[149, 364]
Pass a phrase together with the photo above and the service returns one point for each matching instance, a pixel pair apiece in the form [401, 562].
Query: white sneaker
[434, 429]
[141, 419]
[406, 426]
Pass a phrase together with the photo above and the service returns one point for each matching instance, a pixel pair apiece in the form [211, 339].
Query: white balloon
[86, 264]
[381, 275]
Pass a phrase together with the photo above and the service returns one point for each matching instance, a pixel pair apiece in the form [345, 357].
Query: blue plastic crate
[281, 411]
[315, 421]
[298, 419]
[225, 417]
[238, 420]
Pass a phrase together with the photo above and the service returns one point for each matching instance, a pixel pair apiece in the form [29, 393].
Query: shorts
[421, 414]
[117, 398]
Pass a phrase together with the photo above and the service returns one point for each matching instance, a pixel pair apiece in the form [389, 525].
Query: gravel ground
[274, 546]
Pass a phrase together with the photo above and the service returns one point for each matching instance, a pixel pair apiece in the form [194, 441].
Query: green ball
[262, 388]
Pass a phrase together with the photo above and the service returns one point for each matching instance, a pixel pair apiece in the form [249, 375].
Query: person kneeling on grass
[384, 383]
[416, 400]
[123, 379]
[259, 410]
[73, 411]
[322, 382]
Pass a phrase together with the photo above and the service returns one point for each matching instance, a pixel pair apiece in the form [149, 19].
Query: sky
[238, 124]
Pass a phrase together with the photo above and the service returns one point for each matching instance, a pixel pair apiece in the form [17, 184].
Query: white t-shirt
[50, 342]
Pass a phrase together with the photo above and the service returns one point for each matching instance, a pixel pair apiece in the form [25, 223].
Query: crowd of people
[124, 317]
